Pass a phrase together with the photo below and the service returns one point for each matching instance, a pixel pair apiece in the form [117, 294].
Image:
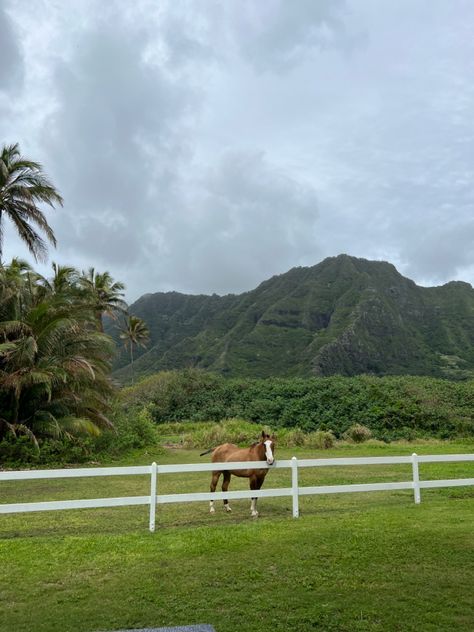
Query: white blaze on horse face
[268, 451]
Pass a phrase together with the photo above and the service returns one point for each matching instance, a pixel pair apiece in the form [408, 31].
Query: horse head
[268, 445]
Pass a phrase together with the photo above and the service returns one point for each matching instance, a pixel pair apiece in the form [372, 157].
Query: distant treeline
[392, 407]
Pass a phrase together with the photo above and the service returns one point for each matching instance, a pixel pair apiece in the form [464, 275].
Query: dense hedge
[133, 429]
[392, 407]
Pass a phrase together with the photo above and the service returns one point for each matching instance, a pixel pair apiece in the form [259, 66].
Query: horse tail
[206, 452]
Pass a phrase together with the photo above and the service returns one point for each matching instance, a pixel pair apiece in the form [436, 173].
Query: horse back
[224, 452]
[229, 452]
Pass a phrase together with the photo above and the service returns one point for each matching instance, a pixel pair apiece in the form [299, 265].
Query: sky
[206, 146]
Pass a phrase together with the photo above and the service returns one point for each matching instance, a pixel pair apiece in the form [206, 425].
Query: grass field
[369, 561]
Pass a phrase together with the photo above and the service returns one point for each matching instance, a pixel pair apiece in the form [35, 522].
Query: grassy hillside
[343, 316]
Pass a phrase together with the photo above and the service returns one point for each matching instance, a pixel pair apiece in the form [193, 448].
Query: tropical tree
[65, 281]
[134, 332]
[23, 187]
[54, 363]
[16, 288]
[103, 294]
[64, 288]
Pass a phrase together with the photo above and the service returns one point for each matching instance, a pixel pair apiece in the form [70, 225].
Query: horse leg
[255, 483]
[225, 487]
[214, 481]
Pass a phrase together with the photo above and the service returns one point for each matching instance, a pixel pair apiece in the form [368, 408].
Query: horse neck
[259, 451]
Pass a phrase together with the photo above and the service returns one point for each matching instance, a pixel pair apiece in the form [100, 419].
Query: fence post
[294, 486]
[416, 478]
[154, 469]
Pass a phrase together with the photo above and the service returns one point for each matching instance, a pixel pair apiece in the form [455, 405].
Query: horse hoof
[254, 514]
[212, 510]
[227, 508]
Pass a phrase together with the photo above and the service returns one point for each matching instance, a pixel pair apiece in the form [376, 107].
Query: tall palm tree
[134, 332]
[23, 186]
[103, 294]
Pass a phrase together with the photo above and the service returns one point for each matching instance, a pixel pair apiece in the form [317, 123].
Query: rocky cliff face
[343, 316]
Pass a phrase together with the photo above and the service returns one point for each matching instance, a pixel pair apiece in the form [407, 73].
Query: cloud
[115, 140]
[11, 66]
[112, 134]
[249, 217]
[277, 35]
[205, 147]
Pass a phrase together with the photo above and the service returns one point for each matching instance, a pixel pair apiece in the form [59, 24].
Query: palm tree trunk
[15, 408]
[131, 361]
[100, 324]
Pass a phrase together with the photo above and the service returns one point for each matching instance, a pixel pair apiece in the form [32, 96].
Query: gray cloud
[11, 66]
[442, 250]
[205, 147]
[249, 216]
[115, 121]
[276, 35]
[115, 140]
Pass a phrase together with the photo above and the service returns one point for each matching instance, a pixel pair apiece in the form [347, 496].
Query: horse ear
[263, 434]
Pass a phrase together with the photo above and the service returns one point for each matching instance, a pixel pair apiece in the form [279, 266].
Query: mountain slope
[343, 316]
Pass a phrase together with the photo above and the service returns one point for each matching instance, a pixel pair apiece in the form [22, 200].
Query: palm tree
[134, 332]
[15, 281]
[103, 294]
[23, 186]
[54, 364]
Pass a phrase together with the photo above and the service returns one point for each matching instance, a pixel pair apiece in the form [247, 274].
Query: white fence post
[154, 469]
[416, 478]
[294, 486]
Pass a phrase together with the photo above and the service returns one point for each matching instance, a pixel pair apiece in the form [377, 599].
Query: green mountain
[343, 316]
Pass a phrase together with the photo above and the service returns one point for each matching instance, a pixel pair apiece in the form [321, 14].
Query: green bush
[211, 435]
[390, 407]
[17, 450]
[205, 435]
[358, 433]
[295, 437]
[320, 440]
[133, 428]
[20, 451]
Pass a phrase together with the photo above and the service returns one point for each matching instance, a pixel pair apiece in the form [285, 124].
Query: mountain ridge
[344, 315]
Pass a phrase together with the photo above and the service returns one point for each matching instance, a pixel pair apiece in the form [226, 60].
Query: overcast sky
[205, 146]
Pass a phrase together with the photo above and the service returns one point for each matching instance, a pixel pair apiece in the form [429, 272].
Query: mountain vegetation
[344, 316]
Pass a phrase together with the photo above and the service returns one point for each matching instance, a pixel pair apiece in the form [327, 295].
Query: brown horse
[263, 450]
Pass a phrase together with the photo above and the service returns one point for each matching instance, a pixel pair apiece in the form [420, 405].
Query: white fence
[295, 491]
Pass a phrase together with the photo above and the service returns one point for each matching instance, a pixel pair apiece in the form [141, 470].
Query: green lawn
[369, 561]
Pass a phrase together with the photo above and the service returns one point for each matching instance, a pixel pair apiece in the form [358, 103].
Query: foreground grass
[371, 561]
